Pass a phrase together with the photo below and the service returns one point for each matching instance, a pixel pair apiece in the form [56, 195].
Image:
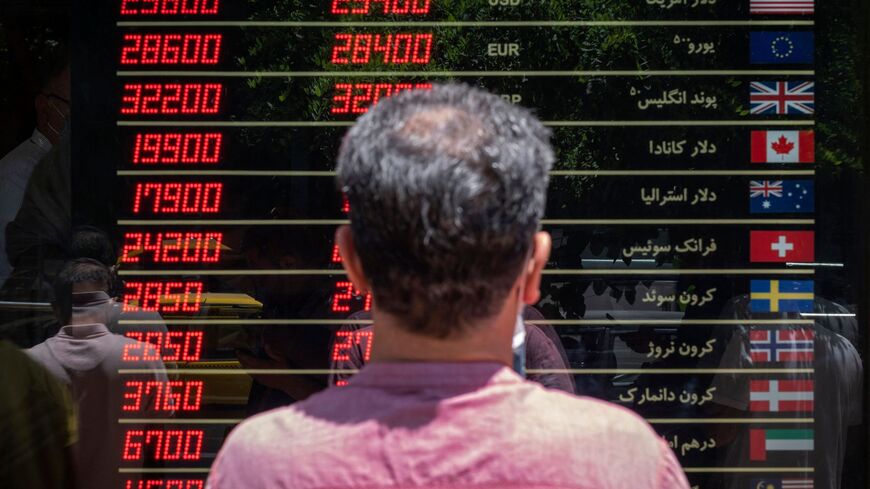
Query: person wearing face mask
[85, 357]
[447, 189]
[52, 112]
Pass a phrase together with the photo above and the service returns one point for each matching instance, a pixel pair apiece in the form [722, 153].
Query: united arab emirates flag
[763, 441]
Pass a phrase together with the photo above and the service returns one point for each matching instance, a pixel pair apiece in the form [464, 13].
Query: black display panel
[705, 209]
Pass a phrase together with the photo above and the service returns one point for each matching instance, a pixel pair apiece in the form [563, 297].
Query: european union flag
[781, 47]
[781, 296]
[781, 196]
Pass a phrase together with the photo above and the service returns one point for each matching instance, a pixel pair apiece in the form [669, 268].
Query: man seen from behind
[447, 189]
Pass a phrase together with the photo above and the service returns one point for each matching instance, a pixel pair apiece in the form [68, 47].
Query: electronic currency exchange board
[704, 209]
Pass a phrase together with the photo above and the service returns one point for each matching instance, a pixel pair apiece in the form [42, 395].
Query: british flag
[765, 188]
[782, 97]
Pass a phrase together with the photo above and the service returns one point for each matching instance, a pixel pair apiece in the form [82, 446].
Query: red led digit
[165, 484]
[362, 100]
[422, 49]
[341, 48]
[172, 148]
[189, 7]
[162, 297]
[171, 49]
[171, 98]
[174, 197]
[341, 349]
[362, 48]
[211, 49]
[163, 444]
[132, 396]
[382, 46]
[336, 254]
[402, 44]
[170, 347]
[345, 292]
[396, 7]
[172, 247]
[169, 7]
[356, 98]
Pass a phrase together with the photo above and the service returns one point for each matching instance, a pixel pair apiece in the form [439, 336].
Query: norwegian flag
[785, 345]
[782, 97]
[780, 396]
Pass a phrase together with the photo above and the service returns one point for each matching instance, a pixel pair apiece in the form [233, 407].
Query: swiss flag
[783, 147]
[782, 246]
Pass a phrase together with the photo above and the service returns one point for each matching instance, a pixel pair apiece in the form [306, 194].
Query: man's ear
[350, 259]
[540, 254]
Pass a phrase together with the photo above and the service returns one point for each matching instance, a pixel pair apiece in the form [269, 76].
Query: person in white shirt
[52, 112]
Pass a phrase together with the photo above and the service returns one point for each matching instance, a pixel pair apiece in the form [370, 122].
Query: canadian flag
[783, 147]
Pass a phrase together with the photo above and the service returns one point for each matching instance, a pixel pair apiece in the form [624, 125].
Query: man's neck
[487, 341]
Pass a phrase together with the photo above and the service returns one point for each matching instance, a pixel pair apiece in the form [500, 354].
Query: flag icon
[780, 396]
[781, 246]
[782, 97]
[785, 345]
[783, 147]
[781, 296]
[790, 483]
[762, 441]
[781, 47]
[779, 196]
[771, 7]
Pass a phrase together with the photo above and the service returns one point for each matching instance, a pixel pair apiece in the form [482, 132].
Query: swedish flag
[781, 296]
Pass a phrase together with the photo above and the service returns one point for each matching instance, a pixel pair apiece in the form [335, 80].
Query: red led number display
[165, 484]
[356, 98]
[195, 247]
[366, 7]
[172, 346]
[173, 395]
[162, 296]
[397, 49]
[178, 198]
[171, 49]
[171, 98]
[345, 294]
[175, 148]
[163, 445]
[169, 7]
[345, 340]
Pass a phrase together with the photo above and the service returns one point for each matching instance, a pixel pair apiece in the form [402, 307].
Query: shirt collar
[420, 374]
[83, 331]
[38, 139]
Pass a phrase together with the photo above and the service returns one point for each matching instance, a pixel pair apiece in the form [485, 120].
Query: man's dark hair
[446, 188]
[74, 272]
[92, 242]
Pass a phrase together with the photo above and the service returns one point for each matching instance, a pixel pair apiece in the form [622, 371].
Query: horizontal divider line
[650, 123]
[551, 271]
[450, 74]
[554, 173]
[747, 470]
[552, 322]
[195, 421]
[690, 470]
[571, 371]
[460, 23]
[545, 222]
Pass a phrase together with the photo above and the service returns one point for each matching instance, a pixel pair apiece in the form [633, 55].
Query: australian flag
[781, 47]
[781, 196]
[782, 97]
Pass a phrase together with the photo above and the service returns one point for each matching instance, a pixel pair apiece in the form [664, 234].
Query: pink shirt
[451, 426]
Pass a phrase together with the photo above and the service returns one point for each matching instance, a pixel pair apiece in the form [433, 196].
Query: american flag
[765, 188]
[796, 7]
[782, 97]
